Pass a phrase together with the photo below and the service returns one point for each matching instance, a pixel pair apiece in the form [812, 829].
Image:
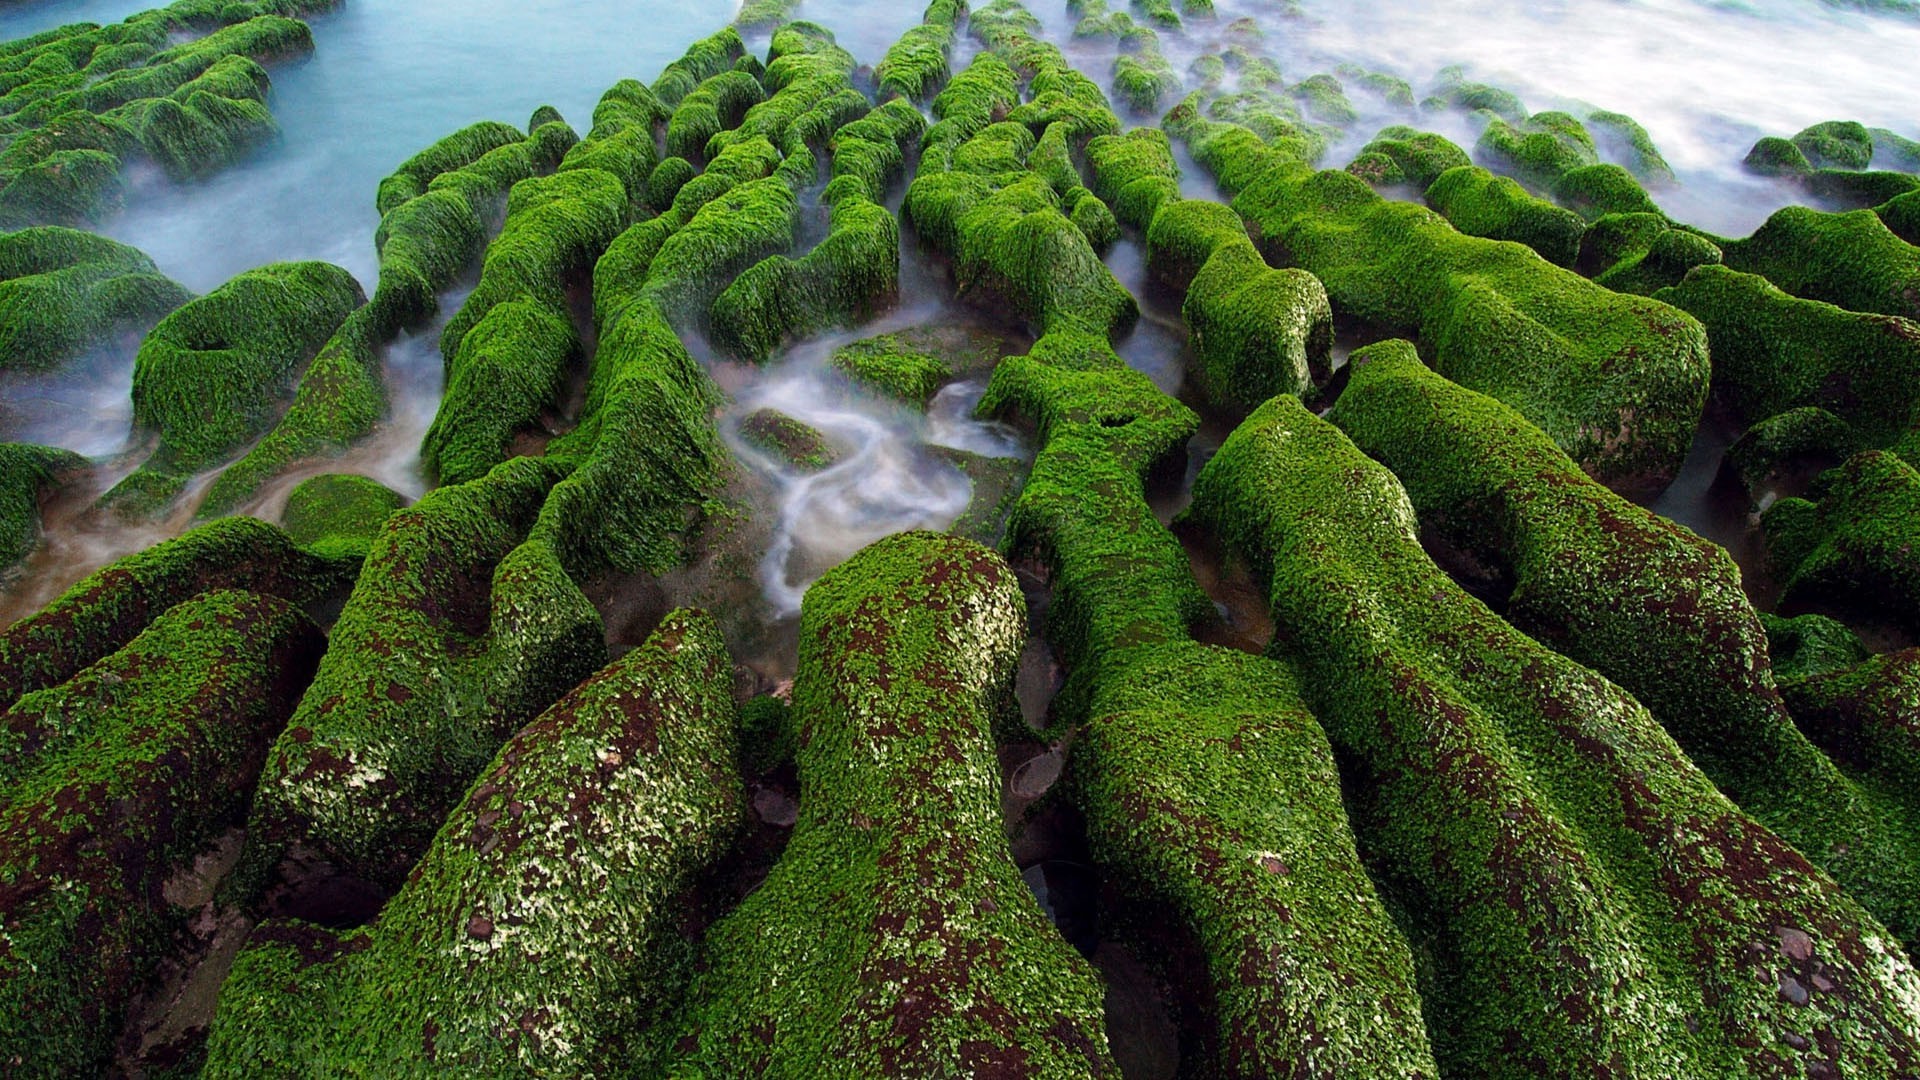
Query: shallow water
[387, 78]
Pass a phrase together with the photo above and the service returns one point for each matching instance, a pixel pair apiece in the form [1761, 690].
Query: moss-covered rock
[1773, 352]
[1636, 598]
[1775, 156]
[1540, 149]
[1789, 443]
[211, 376]
[1522, 810]
[1593, 191]
[1642, 253]
[793, 442]
[1855, 543]
[916, 66]
[1208, 789]
[648, 454]
[512, 368]
[449, 642]
[1622, 136]
[114, 782]
[1849, 259]
[1418, 157]
[27, 473]
[1134, 174]
[894, 936]
[338, 514]
[1865, 715]
[1455, 92]
[703, 59]
[1479, 203]
[450, 153]
[1809, 645]
[1902, 215]
[63, 291]
[1849, 190]
[1618, 381]
[542, 931]
[1256, 331]
[894, 368]
[1325, 100]
[109, 607]
[1836, 144]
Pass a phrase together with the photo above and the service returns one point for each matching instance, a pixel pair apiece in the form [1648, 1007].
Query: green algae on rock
[1854, 543]
[109, 607]
[1479, 203]
[1522, 810]
[209, 378]
[114, 782]
[1540, 149]
[792, 442]
[26, 474]
[1863, 714]
[1208, 789]
[542, 931]
[1851, 259]
[894, 937]
[1417, 158]
[1618, 381]
[1636, 598]
[63, 291]
[917, 66]
[338, 514]
[450, 640]
[1773, 352]
[1642, 253]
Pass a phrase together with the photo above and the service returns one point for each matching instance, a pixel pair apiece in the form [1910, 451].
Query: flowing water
[387, 78]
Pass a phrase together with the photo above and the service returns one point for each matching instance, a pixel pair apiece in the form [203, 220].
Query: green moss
[792, 442]
[1208, 790]
[1794, 439]
[717, 104]
[556, 226]
[109, 607]
[1597, 190]
[454, 152]
[1864, 715]
[1160, 13]
[666, 180]
[1836, 144]
[590, 823]
[1635, 598]
[916, 66]
[340, 400]
[1774, 156]
[27, 473]
[726, 235]
[911, 365]
[1540, 149]
[1618, 381]
[67, 186]
[1892, 150]
[427, 671]
[62, 291]
[1478, 203]
[1848, 259]
[338, 514]
[1852, 546]
[199, 135]
[703, 59]
[1134, 174]
[1773, 352]
[1642, 253]
[1901, 215]
[115, 782]
[211, 376]
[1809, 645]
[1207, 72]
[761, 14]
[1391, 88]
[1856, 189]
[1325, 100]
[1472, 97]
[511, 370]
[1419, 157]
[1256, 331]
[1144, 81]
[898, 862]
[1520, 809]
[649, 456]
